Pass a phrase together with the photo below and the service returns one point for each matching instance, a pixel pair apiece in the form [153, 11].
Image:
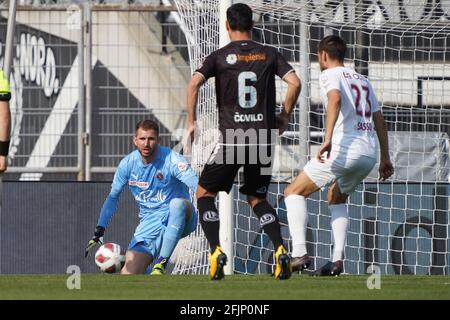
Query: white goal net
[402, 225]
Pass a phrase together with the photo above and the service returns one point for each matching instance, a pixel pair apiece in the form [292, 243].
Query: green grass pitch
[236, 287]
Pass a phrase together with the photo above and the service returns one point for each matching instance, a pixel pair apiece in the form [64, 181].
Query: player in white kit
[347, 155]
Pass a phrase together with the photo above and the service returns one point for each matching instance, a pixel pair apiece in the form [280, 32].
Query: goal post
[226, 210]
[203, 22]
[401, 225]
[304, 74]
[199, 20]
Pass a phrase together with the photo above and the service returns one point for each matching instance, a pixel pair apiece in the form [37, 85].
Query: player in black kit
[244, 73]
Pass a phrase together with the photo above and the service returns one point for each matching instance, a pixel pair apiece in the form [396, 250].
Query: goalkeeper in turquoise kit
[159, 180]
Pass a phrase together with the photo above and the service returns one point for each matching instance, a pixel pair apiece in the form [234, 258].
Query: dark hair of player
[239, 17]
[335, 46]
[147, 125]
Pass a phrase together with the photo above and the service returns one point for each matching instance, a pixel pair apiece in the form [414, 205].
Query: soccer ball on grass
[110, 258]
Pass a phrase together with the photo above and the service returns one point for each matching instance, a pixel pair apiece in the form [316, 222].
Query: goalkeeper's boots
[217, 260]
[283, 268]
[159, 269]
[332, 269]
[300, 263]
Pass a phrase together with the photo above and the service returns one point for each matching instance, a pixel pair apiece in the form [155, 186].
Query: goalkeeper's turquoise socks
[162, 260]
[148, 270]
[175, 226]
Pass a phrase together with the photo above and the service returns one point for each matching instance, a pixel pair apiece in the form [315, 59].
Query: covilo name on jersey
[251, 117]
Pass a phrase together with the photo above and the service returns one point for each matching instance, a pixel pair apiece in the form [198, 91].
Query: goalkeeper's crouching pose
[159, 180]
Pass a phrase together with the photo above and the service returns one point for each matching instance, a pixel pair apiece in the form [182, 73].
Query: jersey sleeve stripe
[292, 70]
[198, 72]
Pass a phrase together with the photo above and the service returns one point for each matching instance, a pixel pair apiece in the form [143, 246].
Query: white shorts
[347, 172]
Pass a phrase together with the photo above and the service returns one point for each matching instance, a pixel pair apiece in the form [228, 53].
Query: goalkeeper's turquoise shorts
[152, 246]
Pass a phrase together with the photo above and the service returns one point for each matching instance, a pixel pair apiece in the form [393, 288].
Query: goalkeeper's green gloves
[96, 239]
[5, 92]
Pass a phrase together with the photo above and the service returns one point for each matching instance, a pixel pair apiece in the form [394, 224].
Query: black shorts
[225, 161]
